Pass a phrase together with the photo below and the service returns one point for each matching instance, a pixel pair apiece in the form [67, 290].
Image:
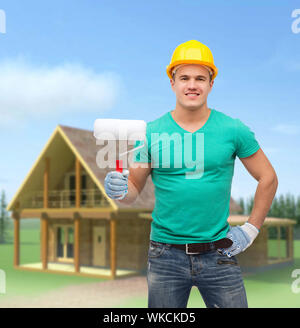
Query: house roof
[269, 221]
[241, 219]
[83, 144]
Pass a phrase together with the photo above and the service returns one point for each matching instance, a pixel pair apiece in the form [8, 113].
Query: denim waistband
[168, 245]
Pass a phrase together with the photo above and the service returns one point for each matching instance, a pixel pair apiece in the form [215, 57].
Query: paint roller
[116, 129]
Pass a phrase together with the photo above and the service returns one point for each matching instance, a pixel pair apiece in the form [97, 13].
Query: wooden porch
[68, 268]
[77, 215]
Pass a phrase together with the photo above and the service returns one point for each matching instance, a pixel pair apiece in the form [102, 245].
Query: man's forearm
[263, 198]
[131, 195]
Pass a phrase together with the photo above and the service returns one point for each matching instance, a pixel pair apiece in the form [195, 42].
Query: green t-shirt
[192, 175]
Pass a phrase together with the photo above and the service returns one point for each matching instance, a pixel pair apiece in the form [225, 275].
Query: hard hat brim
[186, 61]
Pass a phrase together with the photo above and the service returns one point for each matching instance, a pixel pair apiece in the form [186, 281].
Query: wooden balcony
[90, 198]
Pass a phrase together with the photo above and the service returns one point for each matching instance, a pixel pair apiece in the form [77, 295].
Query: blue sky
[120, 49]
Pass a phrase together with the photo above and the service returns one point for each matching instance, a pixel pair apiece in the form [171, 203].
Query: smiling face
[191, 85]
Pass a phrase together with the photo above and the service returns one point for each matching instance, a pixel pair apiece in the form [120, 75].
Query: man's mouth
[192, 95]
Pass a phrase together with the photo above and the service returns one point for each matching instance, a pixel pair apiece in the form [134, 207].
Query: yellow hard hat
[192, 52]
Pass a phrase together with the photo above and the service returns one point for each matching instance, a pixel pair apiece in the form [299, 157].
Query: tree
[290, 207]
[249, 205]
[274, 210]
[281, 207]
[242, 205]
[4, 219]
[297, 211]
[287, 207]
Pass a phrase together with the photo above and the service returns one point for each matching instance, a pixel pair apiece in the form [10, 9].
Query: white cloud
[28, 91]
[288, 129]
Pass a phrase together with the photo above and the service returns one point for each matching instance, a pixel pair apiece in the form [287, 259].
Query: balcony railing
[90, 198]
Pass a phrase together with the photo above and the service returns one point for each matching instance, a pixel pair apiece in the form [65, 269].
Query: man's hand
[242, 237]
[116, 184]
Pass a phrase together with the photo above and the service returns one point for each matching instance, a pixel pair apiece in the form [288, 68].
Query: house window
[60, 242]
[72, 187]
[70, 243]
[65, 242]
[83, 188]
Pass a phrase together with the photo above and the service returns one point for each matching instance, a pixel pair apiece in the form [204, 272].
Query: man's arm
[243, 236]
[136, 181]
[261, 169]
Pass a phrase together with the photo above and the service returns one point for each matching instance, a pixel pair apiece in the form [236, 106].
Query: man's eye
[200, 79]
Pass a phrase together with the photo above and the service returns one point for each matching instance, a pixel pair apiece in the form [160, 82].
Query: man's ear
[172, 84]
[211, 83]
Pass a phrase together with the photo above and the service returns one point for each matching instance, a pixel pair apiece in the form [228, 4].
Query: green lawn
[19, 282]
[267, 289]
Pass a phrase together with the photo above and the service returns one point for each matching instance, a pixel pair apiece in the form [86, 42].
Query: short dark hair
[174, 73]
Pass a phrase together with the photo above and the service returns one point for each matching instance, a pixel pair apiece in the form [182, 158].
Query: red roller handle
[119, 165]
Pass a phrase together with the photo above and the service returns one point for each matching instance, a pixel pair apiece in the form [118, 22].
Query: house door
[65, 243]
[99, 242]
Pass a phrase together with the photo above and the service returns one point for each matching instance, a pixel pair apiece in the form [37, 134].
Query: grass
[267, 289]
[24, 283]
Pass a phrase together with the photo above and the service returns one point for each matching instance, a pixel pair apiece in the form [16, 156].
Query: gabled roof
[83, 144]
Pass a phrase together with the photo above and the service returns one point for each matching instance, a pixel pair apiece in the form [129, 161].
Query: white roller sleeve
[115, 129]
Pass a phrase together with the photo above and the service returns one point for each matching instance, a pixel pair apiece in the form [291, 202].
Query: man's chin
[193, 107]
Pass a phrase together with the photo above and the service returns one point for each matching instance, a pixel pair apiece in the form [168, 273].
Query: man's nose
[192, 84]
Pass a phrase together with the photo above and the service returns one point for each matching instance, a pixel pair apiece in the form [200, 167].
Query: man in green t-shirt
[190, 154]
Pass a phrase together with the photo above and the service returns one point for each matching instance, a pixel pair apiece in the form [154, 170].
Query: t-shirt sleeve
[141, 155]
[246, 143]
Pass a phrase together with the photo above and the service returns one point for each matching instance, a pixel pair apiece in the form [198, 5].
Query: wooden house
[83, 231]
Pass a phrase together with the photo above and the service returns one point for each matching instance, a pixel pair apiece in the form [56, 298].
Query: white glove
[242, 237]
[116, 184]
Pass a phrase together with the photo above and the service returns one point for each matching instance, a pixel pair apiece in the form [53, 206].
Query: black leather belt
[197, 248]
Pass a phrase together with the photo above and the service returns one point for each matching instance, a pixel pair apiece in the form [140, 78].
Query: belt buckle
[187, 250]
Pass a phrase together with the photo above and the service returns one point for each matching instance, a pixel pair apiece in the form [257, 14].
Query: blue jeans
[172, 273]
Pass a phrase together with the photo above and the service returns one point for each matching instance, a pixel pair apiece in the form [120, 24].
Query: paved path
[95, 295]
